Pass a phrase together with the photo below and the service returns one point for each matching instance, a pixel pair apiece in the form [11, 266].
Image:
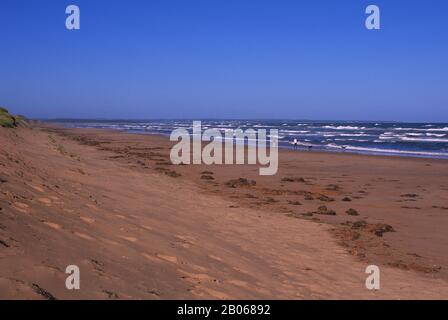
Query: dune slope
[146, 234]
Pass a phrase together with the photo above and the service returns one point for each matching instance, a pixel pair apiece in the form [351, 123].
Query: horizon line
[227, 119]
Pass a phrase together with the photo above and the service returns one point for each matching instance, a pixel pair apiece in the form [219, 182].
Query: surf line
[235, 147]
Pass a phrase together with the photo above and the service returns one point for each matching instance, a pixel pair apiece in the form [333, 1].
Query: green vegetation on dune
[6, 120]
[9, 121]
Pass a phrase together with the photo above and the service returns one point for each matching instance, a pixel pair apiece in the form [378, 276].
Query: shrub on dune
[6, 120]
[9, 121]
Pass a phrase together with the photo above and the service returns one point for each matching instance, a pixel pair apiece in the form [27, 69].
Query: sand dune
[140, 228]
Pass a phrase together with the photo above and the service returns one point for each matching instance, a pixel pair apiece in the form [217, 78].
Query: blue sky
[225, 59]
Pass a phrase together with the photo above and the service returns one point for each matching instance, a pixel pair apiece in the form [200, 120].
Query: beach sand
[141, 228]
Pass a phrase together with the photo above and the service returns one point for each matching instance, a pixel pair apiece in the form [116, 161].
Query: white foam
[355, 135]
[379, 150]
[435, 134]
[294, 131]
[423, 139]
[344, 128]
[420, 129]
[351, 139]
[414, 134]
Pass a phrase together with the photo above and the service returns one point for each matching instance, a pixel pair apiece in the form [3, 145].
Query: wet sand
[141, 228]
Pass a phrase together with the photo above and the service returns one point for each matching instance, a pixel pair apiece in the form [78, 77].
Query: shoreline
[208, 231]
[303, 146]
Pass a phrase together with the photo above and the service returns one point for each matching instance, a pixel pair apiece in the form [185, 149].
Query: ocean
[380, 138]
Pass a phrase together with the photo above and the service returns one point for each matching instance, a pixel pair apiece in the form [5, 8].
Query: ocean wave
[435, 134]
[306, 144]
[294, 131]
[421, 129]
[390, 151]
[350, 139]
[355, 135]
[412, 134]
[344, 127]
[423, 139]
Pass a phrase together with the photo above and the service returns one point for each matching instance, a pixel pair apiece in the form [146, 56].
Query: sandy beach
[139, 227]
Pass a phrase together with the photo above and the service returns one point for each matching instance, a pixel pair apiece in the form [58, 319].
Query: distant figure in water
[310, 147]
[295, 143]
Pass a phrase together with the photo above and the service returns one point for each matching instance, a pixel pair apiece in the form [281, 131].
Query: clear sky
[294, 59]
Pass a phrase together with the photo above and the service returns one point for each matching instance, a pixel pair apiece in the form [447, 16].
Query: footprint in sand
[83, 236]
[183, 241]
[130, 239]
[111, 242]
[168, 258]
[37, 188]
[207, 292]
[151, 258]
[88, 220]
[56, 200]
[187, 239]
[198, 268]
[215, 257]
[53, 225]
[238, 283]
[263, 291]
[45, 201]
[195, 277]
[91, 206]
[22, 207]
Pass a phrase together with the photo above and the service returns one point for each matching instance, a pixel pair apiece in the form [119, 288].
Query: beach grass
[6, 120]
[9, 121]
